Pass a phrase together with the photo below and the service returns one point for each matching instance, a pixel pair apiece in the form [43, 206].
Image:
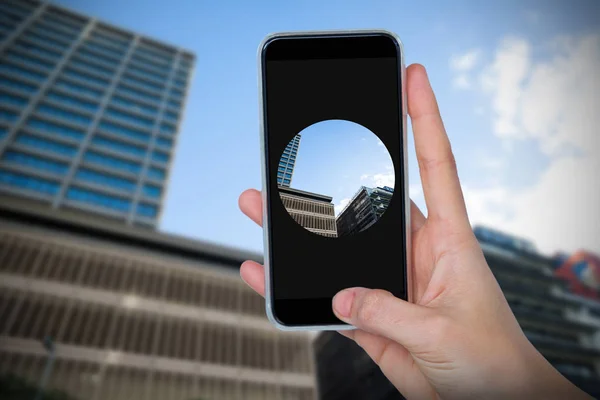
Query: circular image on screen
[335, 178]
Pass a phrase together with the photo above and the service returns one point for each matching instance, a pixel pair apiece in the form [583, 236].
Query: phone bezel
[269, 300]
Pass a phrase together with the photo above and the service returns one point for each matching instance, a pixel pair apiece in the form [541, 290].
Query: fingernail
[342, 302]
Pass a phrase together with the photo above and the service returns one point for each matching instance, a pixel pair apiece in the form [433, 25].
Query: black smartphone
[334, 165]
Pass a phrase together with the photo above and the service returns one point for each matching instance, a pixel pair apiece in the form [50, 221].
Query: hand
[459, 339]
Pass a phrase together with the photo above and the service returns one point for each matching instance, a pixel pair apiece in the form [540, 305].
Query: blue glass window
[97, 199]
[50, 127]
[100, 178]
[179, 83]
[288, 176]
[177, 93]
[18, 57]
[47, 30]
[164, 142]
[152, 191]
[153, 54]
[63, 114]
[14, 84]
[111, 162]
[84, 77]
[28, 182]
[18, 71]
[171, 116]
[46, 145]
[18, 101]
[118, 146]
[287, 181]
[156, 173]
[70, 101]
[73, 87]
[139, 94]
[110, 40]
[174, 103]
[91, 67]
[91, 56]
[280, 174]
[41, 39]
[138, 82]
[31, 48]
[36, 162]
[123, 116]
[64, 22]
[146, 210]
[282, 169]
[144, 61]
[133, 105]
[143, 72]
[3, 132]
[127, 132]
[160, 157]
[166, 128]
[104, 49]
[8, 116]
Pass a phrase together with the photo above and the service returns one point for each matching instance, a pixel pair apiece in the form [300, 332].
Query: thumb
[379, 312]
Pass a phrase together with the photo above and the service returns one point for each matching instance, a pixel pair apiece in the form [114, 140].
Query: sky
[336, 157]
[516, 82]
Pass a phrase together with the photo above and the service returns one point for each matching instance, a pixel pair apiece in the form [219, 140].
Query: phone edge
[266, 245]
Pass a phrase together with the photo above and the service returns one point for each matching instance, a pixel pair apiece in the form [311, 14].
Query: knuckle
[430, 164]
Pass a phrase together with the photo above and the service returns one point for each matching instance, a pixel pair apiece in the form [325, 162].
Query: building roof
[97, 227]
[302, 193]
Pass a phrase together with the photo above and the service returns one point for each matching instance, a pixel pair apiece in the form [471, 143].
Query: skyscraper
[89, 113]
[363, 210]
[312, 211]
[287, 162]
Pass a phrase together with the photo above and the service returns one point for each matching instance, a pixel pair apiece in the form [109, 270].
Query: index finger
[439, 176]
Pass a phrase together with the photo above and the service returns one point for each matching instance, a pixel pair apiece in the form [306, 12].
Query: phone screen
[335, 171]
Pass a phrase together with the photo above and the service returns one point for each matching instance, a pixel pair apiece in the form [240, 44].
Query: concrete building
[363, 210]
[564, 327]
[137, 314]
[285, 170]
[313, 211]
[89, 112]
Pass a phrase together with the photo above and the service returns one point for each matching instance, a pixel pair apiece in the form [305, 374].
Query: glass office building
[363, 210]
[287, 162]
[89, 113]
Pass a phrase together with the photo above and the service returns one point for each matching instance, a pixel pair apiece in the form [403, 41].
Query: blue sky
[487, 62]
[336, 157]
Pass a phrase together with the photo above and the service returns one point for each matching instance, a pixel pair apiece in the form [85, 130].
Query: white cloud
[379, 142]
[553, 102]
[461, 81]
[466, 61]
[338, 207]
[364, 177]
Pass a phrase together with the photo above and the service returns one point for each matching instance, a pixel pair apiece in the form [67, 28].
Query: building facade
[564, 327]
[313, 211]
[136, 314]
[285, 170]
[363, 210]
[89, 113]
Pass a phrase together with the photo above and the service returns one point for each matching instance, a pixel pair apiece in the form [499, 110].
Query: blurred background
[129, 129]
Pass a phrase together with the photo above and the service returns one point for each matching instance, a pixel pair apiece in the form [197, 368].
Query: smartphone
[334, 168]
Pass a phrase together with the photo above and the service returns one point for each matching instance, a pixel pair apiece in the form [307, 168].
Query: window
[84, 54]
[63, 114]
[123, 116]
[138, 82]
[97, 199]
[3, 132]
[164, 142]
[31, 48]
[18, 85]
[146, 210]
[103, 49]
[8, 116]
[70, 73]
[132, 105]
[46, 42]
[27, 60]
[166, 128]
[122, 131]
[93, 157]
[286, 181]
[139, 94]
[144, 61]
[156, 173]
[170, 115]
[280, 174]
[118, 146]
[47, 30]
[111, 40]
[152, 191]
[174, 103]
[91, 67]
[167, 59]
[288, 176]
[45, 145]
[70, 101]
[27, 160]
[28, 182]
[282, 169]
[66, 22]
[160, 157]
[22, 72]
[17, 101]
[100, 178]
[179, 83]
[148, 74]
[73, 87]
[52, 128]
[176, 93]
